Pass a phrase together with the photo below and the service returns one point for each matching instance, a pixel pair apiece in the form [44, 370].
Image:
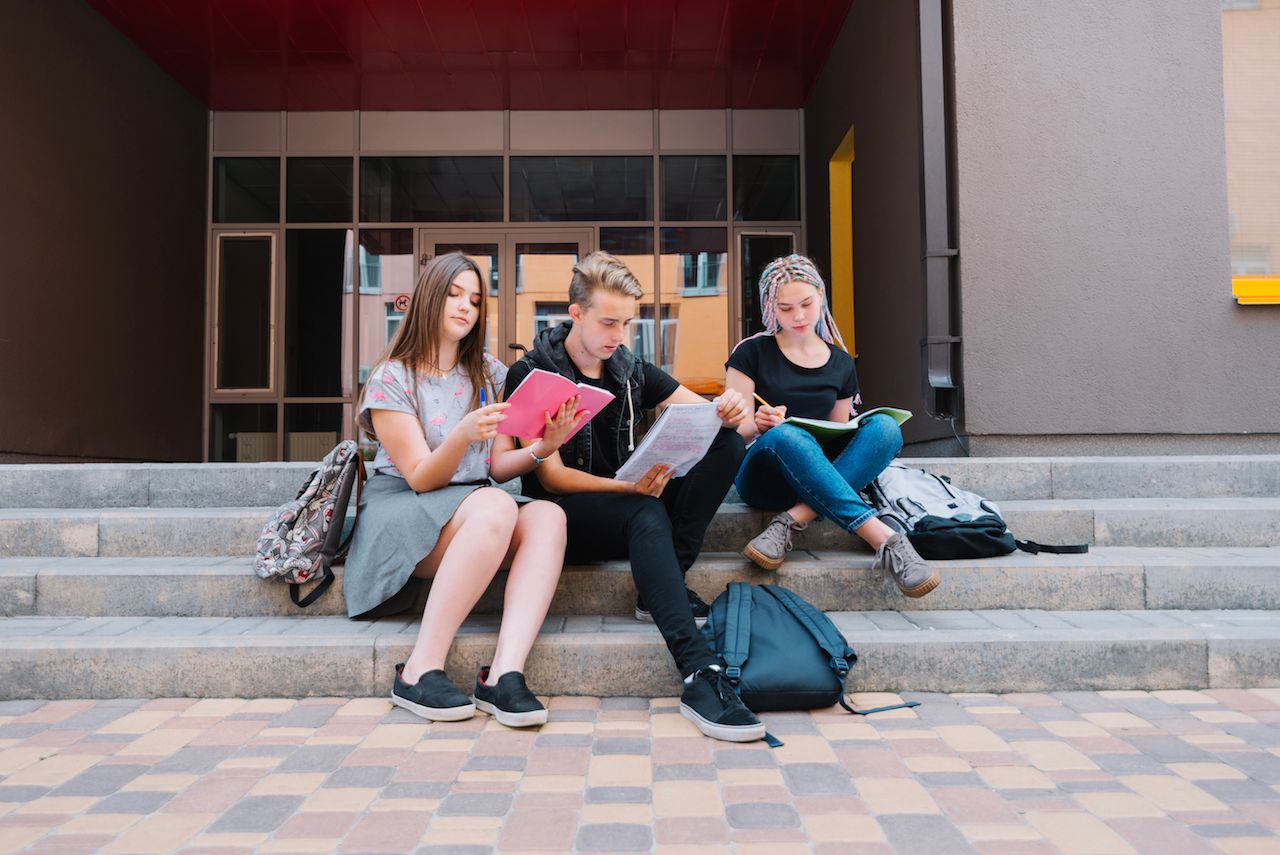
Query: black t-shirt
[810, 393]
[658, 386]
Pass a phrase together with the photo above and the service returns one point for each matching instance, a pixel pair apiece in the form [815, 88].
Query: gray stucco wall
[1093, 225]
[102, 228]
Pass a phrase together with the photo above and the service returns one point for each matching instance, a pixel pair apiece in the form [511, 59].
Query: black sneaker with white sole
[509, 700]
[709, 701]
[434, 697]
[697, 605]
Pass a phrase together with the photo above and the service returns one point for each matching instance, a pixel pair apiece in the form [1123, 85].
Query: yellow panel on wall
[1256, 290]
[840, 175]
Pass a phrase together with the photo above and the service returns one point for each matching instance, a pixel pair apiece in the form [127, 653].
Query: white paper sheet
[679, 438]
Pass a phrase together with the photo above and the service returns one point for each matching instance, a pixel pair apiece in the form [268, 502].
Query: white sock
[689, 679]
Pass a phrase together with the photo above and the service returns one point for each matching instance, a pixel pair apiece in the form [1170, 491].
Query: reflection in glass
[485, 255]
[430, 189]
[634, 247]
[317, 313]
[243, 320]
[693, 187]
[766, 187]
[386, 284]
[242, 433]
[246, 189]
[543, 271]
[545, 189]
[312, 430]
[694, 299]
[757, 252]
[318, 190]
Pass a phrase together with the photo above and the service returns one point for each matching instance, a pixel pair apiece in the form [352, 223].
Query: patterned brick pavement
[1074, 772]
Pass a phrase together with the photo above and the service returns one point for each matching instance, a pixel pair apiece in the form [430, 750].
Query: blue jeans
[786, 464]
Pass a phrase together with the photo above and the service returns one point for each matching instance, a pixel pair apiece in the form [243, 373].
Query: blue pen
[482, 396]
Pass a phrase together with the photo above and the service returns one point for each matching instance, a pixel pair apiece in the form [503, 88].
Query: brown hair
[602, 270]
[416, 343]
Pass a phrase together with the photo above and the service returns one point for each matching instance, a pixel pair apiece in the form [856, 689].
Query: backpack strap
[831, 642]
[1060, 549]
[737, 630]
[361, 477]
[295, 590]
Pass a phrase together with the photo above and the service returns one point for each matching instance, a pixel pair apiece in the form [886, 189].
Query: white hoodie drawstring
[631, 421]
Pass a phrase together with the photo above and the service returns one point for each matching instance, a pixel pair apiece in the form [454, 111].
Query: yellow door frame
[840, 176]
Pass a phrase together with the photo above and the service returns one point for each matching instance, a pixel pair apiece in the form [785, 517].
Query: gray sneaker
[899, 558]
[769, 548]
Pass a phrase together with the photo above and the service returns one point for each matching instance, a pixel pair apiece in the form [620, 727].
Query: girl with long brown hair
[430, 511]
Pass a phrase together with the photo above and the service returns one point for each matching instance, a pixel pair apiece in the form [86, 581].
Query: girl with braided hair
[800, 366]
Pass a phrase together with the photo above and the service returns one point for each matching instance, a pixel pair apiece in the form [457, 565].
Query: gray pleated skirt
[395, 529]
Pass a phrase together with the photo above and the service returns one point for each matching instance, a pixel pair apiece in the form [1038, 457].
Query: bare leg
[802, 513]
[537, 550]
[874, 532]
[462, 564]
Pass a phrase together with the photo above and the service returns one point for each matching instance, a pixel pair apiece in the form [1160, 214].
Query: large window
[431, 189]
[583, 189]
[246, 189]
[1251, 84]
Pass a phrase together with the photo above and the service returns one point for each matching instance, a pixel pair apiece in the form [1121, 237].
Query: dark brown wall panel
[872, 82]
[102, 165]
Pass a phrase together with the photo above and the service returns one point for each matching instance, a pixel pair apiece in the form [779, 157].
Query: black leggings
[662, 537]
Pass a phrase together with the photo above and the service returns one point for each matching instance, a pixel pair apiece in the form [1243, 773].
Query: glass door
[755, 250]
[525, 274]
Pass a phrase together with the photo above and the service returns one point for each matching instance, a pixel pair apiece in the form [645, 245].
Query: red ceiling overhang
[486, 54]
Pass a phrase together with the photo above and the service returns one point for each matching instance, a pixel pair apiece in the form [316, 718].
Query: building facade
[1045, 230]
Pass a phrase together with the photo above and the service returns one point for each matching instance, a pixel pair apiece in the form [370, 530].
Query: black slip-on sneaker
[434, 697]
[697, 605]
[709, 701]
[509, 700]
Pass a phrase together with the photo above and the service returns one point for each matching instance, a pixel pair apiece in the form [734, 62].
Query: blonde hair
[602, 270]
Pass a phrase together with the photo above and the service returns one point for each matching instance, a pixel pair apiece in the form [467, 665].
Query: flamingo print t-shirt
[439, 403]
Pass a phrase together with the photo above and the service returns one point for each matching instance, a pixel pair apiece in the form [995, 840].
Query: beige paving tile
[1072, 729]
[1117, 805]
[930, 763]
[140, 721]
[15, 838]
[687, 798]
[99, 823]
[434, 745]
[463, 823]
[608, 770]
[1016, 778]
[1223, 716]
[965, 738]
[376, 707]
[871, 700]
[388, 805]
[1247, 845]
[13, 759]
[1272, 695]
[214, 707]
[395, 736]
[440, 836]
[574, 727]
[339, 799]
[164, 832]
[158, 743]
[993, 710]
[273, 705]
[771, 849]
[57, 804]
[1184, 697]
[555, 784]
[671, 725]
[999, 831]
[606, 813]
[263, 762]
[1051, 756]
[488, 776]
[1079, 833]
[834, 828]
[804, 749]
[623, 725]
[836, 730]
[52, 771]
[217, 841]
[1170, 793]
[895, 795]
[302, 844]
[1123, 694]
[751, 777]
[161, 783]
[1215, 738]
[1207, 771]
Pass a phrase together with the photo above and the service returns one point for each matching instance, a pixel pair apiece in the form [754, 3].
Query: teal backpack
[781, 653]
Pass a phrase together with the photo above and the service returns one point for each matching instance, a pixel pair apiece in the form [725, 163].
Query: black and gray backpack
[303, 538]
[943, 521]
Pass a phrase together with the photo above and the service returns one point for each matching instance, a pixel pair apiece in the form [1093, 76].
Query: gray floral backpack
[303, 538]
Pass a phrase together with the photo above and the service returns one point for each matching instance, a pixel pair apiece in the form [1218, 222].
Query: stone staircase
[135, 581]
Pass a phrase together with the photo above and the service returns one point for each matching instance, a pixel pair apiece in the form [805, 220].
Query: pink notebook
[543, 392]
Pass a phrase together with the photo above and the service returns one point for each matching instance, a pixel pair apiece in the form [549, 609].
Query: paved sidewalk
[1075, 772]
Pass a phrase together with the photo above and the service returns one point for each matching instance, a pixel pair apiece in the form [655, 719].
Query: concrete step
[1200, 522]
[1106, 578]
[971, 651]
[212, 485]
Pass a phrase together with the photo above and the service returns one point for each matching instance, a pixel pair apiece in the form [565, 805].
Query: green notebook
[826, 430]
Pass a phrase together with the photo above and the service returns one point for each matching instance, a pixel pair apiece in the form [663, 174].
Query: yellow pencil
[761, 400]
